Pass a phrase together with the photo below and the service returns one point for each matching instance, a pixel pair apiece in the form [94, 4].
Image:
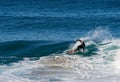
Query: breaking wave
[100, 62]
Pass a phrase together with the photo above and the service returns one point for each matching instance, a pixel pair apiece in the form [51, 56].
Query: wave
[57, 14]
[101, 62]
[12, 51]
[22, 48]
[62, 67]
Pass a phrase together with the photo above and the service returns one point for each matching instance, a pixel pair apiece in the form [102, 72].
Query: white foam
[99, 34]
[60, 68]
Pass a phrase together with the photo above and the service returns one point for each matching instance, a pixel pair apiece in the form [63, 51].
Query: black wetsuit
[81, 46]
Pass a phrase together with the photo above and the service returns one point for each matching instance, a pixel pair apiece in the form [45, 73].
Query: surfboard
[70, 52]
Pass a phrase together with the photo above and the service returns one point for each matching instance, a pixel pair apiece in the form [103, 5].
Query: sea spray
[98, 35]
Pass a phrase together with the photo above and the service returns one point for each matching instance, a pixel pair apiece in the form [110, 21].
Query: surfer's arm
[76, 45]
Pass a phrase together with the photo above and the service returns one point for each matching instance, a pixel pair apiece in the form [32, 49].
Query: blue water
[35, 29]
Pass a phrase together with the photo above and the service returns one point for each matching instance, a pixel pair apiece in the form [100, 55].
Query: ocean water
[35, 35]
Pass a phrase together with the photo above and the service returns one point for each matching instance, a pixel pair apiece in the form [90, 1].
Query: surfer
[78, 45]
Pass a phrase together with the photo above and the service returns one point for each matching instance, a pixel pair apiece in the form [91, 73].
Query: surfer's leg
[81, 47]
[76, 49]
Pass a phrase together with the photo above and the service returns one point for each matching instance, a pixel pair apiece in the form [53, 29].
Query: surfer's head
[78, 40]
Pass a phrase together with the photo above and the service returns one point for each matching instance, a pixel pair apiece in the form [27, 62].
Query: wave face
[99, 62]
[15, 50]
